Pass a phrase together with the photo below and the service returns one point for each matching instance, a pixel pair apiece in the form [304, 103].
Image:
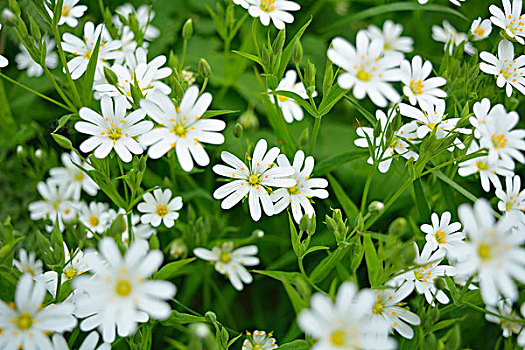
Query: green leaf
[454, 293]
[62, 121]
[177, 318]
[210, 114]
[171, 269]
[348, 206]
[250, 57]
[301, 101]
[395, 7]
[421, 200]
[295, 345]
[328, 264]
[107, 187]
[369, 116]
[315, 249]
[328, 102]
[87, 88]
[298, 303]
[288, 51]
[444, 324]
[287, 279]
[294, 236]
[334, 162]
[62, 141]
[373, 264]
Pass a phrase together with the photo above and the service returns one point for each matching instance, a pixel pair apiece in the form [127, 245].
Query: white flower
[291, 109]
[56, 205]
[95, 216]
[26, 323]
[483, 112]
[72, 176]
[345, 324]
[504, 308]
[119, 293]
[231, 262]
[480, 29]
[488, 168]
[388, 308]
[89, 343]
[457, 2]
[391, 36]
[70, 13]
[424, 274]
[25, 61]
[368, 71]
[182, 127]
[509, 71]
[418, 87]
[146, 75]
[275, 10]
[305, 188]
[83, 49]
[259, 340]
[113, 129]
[501, 140]
[144, 16]
[493, 251]
[28, 263]
[159, 207]
[243, 3]
[511, 20]
[187, 76]
[398, 144]
[3, 61]
[513, 200]
[252, 181]
[443, 235]
[451, 38]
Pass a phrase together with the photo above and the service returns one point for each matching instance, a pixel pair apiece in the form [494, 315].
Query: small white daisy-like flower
[25, 323]
[70, 14]
[345, 324]
[443, 235]
[493, 251]
[501, 139]
[3, 61]
[243, 3]
[119, 294]
[418, 87]
[95, 216]
[182, 127]
[388, 307]
[393, 42]
[187, 76]
[399, 144]
[28, 263]
[423, 276]
[113, 129]
[509, 71]
[504, 308]
[89, 343]
[146, 75]
[512, 200]
[488, 168]
[259, 340]
[72, 176]
[448, 35]
[291, 109]
[144, 16]
[83, 48]
[304, 189]
[480, 29]
[252, 182]
[482, 113]
[159, 207]
[368, 70]
[510, 19]
[275, 10]
[25, 61]
[230, 262]
[56, 205]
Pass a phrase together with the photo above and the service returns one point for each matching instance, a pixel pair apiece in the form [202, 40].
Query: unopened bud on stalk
[375, 207]
[136, 94]
[8, 17]
[35, 30]
[258, 233]
[265, 55]
[309, 74]
[398, 226]
[278, 43]
[173, 61]
[303, 224]
[111, 77]
[237, 130]
[211, 317]
[204, 68]
[13, 5]
[249, 120]
[19, 149]
[38, 153]
[187, 29]
[297, 52]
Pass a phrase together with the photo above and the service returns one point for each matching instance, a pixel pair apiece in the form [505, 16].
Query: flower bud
[136, 94]
[111, 77]
[398, 226]
[19, 149]
[35, 30]
[328, 78]
[178, 249]
[187, 29]
[8, 17]
[237, 130]
[38, 153]
[309, 74]
[13, 5]
[258, 233]
[278, 43]
[173, 61]
[266, 56]
[211, 317]
[154, 242]
[312, 225]
[22, 29]
[375, 207]
[408, 256]
[304, 137]
[297, 52]
[249, 120]
[440, 283]
[204, 68]
[303, 224]
[62, 141]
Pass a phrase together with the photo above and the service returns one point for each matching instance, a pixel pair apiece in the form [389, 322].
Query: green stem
[315, 134]
[123, 181]
[183, 56]
[130, 230]
[62, 56]
[367, 188]
[204, 86]
[485, 311]
[59, 284]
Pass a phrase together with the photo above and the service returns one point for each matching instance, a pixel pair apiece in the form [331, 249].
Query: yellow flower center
[24, 321]
[253, 179]
[162, 211]
[93, 221]
[293, 190]
[509, 205]
[499, 141]
[484, 251]
[378, 307]
[180, 130]
[70, 272]
[416, 87]
[387, 46]
[225, 257]
[79, 176]
[258, 347]
[66, 11]
[479, 31]
[114, 134]
[506, 74]
[431, 126]
[337, 338]
[123, 287]
[267, 5]
[363, 75]
[283, 98]
[440, 237]
[28, 270]
[482, 166]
